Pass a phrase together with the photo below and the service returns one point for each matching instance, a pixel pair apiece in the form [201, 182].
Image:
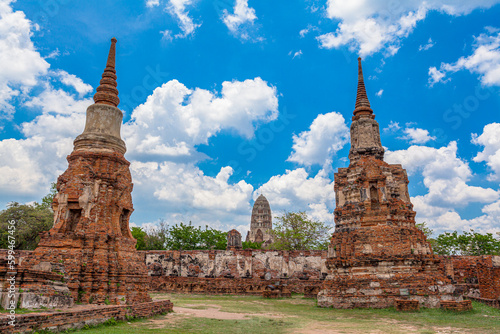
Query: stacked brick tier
[91, 237]
[376, 253]
[464, 305]
[233, 286]
[378, 282]
[488, 268]
[237, 263]
[91, 240]
[376, 249]
[373, 214]
[261, 222]
[406, 305]
[50, 285]
[81, 316]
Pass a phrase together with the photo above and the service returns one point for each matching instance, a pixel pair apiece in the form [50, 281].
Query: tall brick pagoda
[377, 254]
[90, 242]
[261, 222]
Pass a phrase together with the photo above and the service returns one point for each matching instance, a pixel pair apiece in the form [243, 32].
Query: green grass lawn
[299, 315]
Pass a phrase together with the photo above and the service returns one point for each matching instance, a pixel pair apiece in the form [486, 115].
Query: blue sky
[227, 99]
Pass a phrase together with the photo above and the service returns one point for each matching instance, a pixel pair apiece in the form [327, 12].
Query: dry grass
[251, 314]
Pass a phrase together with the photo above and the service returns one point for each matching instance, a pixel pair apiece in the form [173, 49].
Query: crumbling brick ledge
[82, 315]
[490, 302]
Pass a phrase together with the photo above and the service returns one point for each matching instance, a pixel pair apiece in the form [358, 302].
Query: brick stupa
[91, 241]
[261, 222]
[377, 254]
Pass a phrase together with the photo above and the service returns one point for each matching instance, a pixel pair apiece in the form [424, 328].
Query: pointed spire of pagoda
[362, 103]
[365, 139]
[107, 93]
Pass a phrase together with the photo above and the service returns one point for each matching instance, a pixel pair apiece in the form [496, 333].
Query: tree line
[291, 231]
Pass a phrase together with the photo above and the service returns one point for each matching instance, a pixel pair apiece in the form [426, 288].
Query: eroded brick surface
[459, 306]
[90, 248]
[261, 222]
[406, 305]
[377, 255]
[78, 318]
[237, 263]
[234, 240]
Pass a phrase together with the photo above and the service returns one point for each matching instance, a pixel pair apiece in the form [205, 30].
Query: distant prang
[261, 222]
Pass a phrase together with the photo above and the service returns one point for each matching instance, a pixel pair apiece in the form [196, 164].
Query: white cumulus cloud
[376, 25]
[242, 15]
[20, 63]
[484, 61]
[445, 175]
[490, 140]
[327, 135]
[178, 9]
[175, 118]
[296, 190]
[152, 3]
[426, 46]
[417, 136]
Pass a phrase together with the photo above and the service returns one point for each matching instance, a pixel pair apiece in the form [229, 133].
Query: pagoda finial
[362, 103]
[107, 93]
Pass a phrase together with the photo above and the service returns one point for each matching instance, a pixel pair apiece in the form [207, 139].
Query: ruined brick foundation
[79, 318]
[377, 254]
[89, 254]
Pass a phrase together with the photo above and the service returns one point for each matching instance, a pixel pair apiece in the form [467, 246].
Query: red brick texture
[406, 305]
[234, 286]
[78, 318]
[488, 269]
[237, 263]
[271, 294]
[376, 253]
[461, 306]
[91, 236]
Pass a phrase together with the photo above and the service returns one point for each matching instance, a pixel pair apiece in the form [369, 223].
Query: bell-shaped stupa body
[261, 222]
[376, 253]
[91, 236]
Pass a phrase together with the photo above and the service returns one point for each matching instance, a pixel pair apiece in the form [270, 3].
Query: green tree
[213, 239]
[179, 237]
[139, 234]
[29, 220]
[157, 238]
[251, 245]
[47, 199]
[189, 237]
[296, 231]
[183, 237]
[424, 228]
[468, 243]
[151, 239]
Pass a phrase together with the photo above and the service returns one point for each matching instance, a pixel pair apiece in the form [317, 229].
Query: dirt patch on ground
[214, 312]
[211, 312]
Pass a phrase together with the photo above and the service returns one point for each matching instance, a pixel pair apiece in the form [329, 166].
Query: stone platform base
[233, 286]
[380, 301]
[490, 302]
[271, 294]
[464, 305]
[406, 305]
[79, 316]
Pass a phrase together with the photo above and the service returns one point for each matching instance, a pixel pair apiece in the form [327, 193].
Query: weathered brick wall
[90, 315]
[237, 286]
[236, 263]
[461, 306]
[462, 269]
[488, 269]
[476, 272]
[202, 263]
